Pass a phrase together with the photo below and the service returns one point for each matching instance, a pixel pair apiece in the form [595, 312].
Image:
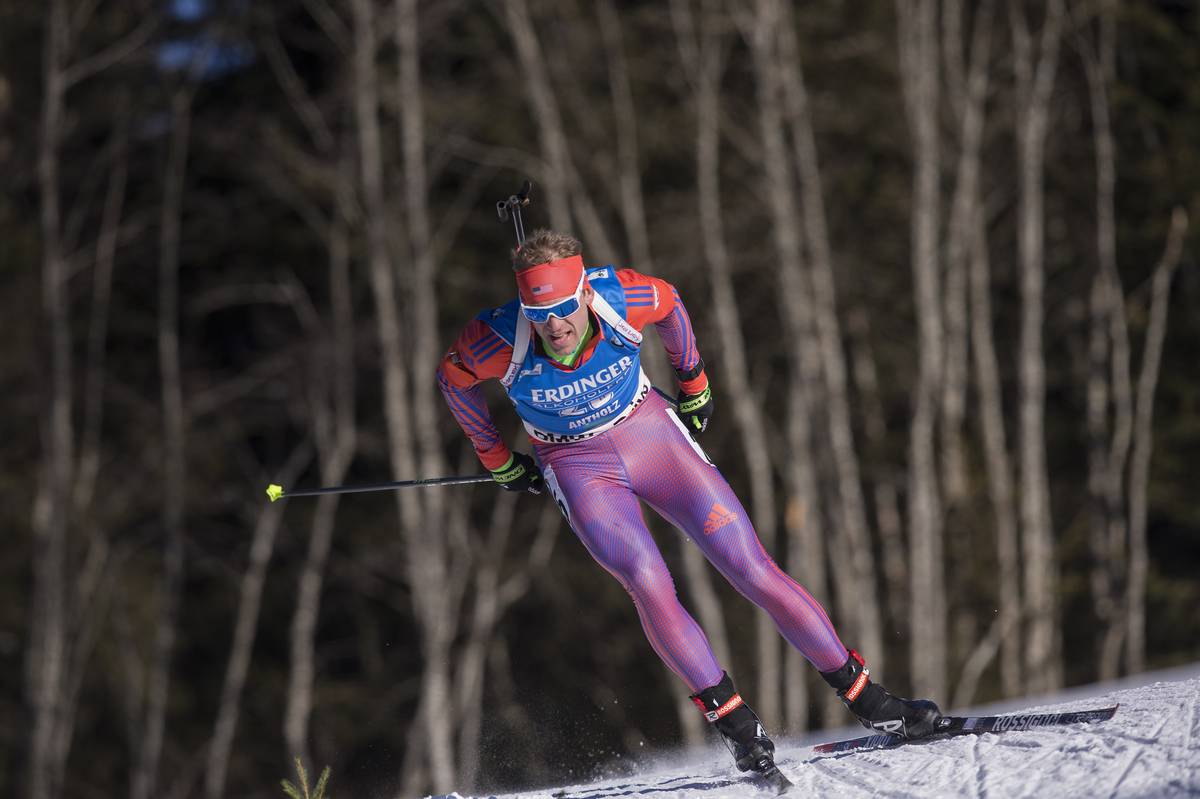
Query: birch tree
[174, 438]
[1035, 73]
[696, 574]
[424, 569]
[884, 481]
[64, 600]
[46, 661]
[336, 434]
[996, 457]
[803, 507]
[563, 186]
[332, 389]
[1139, 477]
[700, 48]
[927, 626]
[1109, 385]
[969, 275]
[859, 601]
[268, 518]
[425, 559]
[953, 398]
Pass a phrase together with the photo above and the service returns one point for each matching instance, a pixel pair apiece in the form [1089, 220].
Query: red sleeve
[648, 300]
[478, 354]
[653, 300]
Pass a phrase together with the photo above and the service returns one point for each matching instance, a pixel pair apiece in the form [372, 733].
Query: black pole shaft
[355, 489]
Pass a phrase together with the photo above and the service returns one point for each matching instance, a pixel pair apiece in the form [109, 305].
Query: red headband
[544, 283]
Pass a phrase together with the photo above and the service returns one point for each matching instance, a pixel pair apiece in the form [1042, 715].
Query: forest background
[937, 255]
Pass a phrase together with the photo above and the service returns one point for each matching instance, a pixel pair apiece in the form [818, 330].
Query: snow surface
[1151, 748]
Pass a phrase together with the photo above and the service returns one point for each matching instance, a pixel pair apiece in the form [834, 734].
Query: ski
[772, 780]
[950, 726]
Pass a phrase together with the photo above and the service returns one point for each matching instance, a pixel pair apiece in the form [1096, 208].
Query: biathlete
[567, 352]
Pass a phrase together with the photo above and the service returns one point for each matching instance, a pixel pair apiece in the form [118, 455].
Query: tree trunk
[145, 783]
[860, 605]
[632, 207]
[563, 187]
[545, 110]
[806, 552]
[336, 444]
[332, 389]
[1035, 82]
[488, 608]
[1143, 441]
[894, 606]
[494, 592]
[1108, 361]
[633, 215]
[701, 52]
[424, 298]
[47, 654]
[262, 547]
[887, 510]
[919, 55]
[969, 89]
[997, 462]
[425, 564]
[106, 253]
[1107, 563]
[98, 574]
[434, 570]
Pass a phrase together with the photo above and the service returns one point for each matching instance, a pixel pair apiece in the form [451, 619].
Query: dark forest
[940, 257]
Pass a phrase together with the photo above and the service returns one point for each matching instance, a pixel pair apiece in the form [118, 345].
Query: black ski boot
[875, 707]
[741, 731]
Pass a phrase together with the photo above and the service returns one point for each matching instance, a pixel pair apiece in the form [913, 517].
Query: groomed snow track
[1150, 749]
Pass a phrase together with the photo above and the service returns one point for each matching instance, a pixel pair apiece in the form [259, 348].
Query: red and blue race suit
[630, 445]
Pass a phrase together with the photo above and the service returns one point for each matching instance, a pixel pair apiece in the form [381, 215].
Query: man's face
[562, 336]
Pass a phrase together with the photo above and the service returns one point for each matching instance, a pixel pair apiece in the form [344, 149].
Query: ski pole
[670, 400]
[275, 492]
[511, 209]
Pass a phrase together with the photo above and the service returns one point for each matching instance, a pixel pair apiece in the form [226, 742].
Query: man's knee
[643, 572]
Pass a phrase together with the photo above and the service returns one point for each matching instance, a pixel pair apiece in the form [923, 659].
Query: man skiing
[567, 353]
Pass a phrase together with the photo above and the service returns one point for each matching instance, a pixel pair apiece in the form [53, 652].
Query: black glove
[695, 410]
[521, 473]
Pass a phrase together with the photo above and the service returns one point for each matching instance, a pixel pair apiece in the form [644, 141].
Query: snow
[1150, 749]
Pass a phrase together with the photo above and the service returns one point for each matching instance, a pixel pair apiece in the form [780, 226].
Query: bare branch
[331, 24]
[113, 54]
[302, 103]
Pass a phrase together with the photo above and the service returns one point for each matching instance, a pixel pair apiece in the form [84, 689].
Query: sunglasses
[540, 314]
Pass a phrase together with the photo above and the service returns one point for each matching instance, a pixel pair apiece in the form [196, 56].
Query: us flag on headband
[542, 289]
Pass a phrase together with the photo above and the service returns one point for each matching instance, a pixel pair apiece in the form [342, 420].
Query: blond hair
[542, 246]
